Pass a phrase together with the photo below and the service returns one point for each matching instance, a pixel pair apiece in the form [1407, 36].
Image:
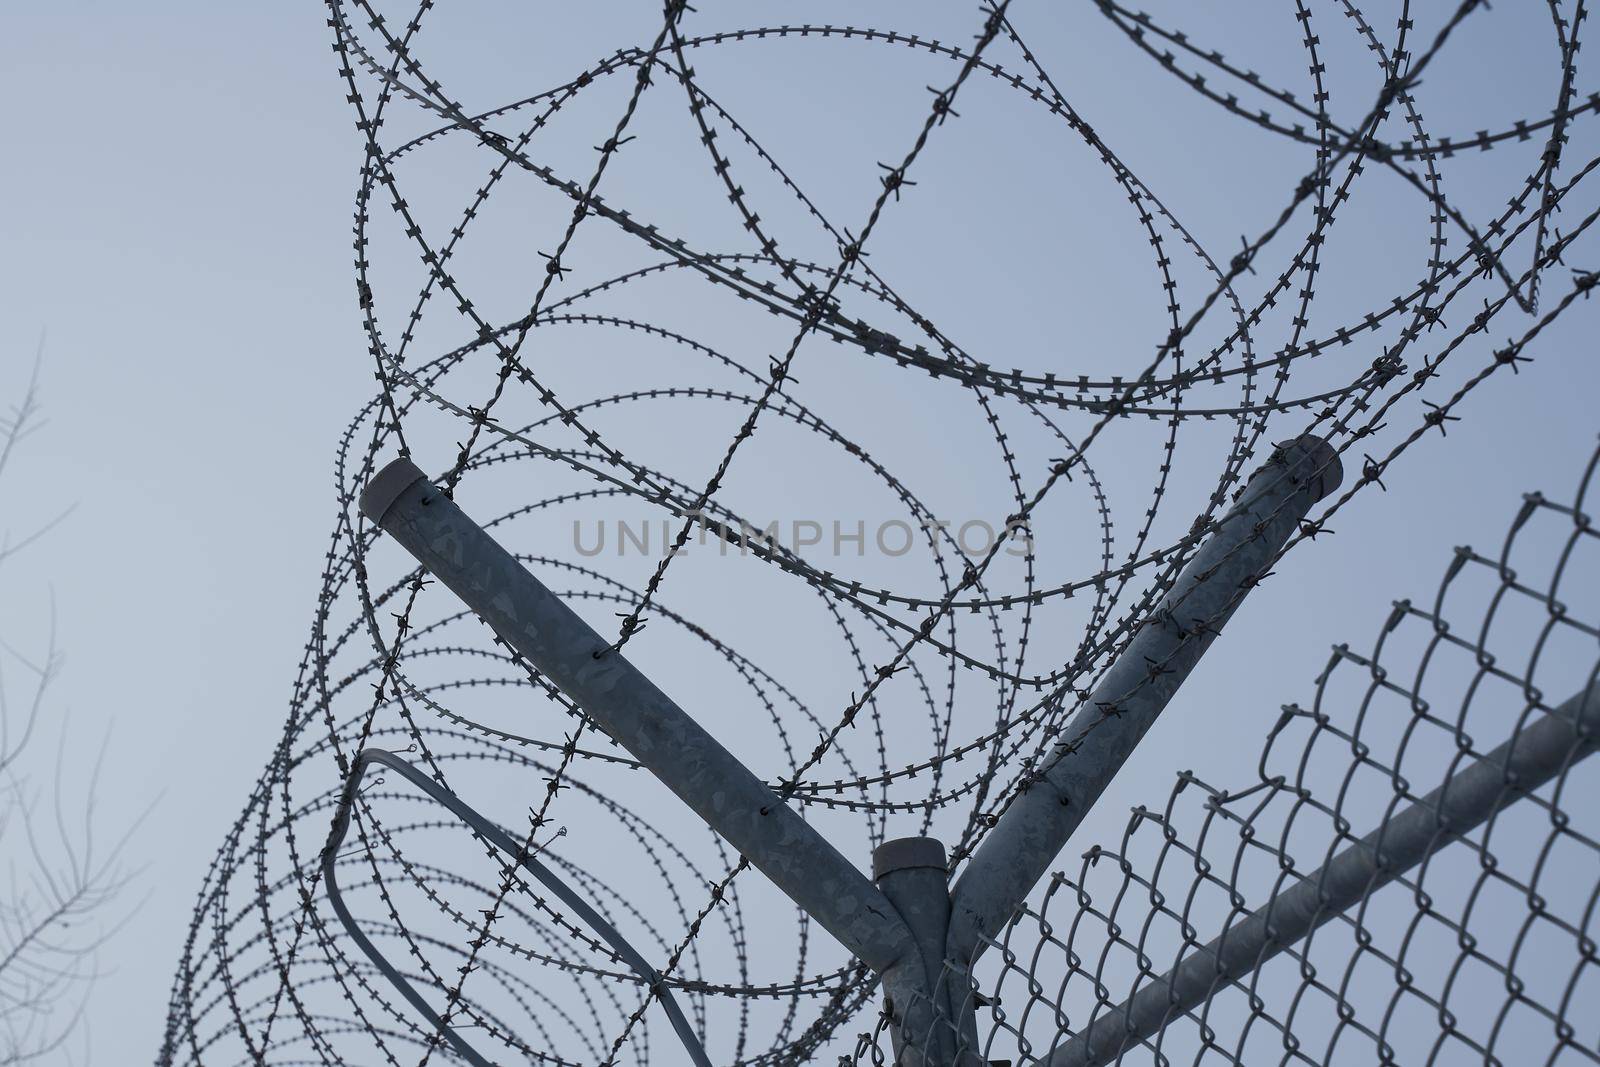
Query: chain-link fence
[1412, 876]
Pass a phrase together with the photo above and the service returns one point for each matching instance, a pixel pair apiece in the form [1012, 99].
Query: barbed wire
[267, 972]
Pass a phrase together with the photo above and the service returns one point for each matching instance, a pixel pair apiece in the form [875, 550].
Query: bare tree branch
[59, 904]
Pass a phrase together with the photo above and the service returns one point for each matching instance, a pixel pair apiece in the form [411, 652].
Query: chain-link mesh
[1485, 952]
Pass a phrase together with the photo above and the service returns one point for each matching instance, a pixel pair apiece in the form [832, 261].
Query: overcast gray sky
[175, 214]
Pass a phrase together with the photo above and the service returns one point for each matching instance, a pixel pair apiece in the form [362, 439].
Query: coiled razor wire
[952, 684]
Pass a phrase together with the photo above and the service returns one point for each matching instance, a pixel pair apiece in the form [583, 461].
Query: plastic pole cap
[907, 852]
[386, 486]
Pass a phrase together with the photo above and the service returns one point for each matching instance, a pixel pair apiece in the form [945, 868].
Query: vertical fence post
[911, 871]
[1102, 735]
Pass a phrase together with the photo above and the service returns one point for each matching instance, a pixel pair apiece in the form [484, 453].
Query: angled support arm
[658, 733]
[1104, 732]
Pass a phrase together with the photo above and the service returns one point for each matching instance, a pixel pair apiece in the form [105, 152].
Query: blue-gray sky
[175, 217]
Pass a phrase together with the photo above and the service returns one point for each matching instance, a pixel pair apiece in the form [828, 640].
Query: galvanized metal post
[912, 873]
[1033, 830]
[1468, 798]
[658, 733]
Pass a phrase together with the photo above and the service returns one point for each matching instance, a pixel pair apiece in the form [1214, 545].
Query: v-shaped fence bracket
[918, 936]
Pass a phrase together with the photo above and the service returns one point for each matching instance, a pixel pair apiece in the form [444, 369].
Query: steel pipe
[912, 872]
[1102, 735]
[659, 734]
[1465, 801]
